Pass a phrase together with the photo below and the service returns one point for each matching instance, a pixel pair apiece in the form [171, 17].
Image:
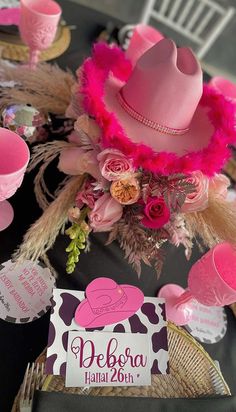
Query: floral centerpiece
[143, 161]
[140, 209]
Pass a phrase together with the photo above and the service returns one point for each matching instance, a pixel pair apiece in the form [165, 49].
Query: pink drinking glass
[38, 25]
[228, 89]
[14, 157]
[211, 281]
[225, 87]
[143, 38]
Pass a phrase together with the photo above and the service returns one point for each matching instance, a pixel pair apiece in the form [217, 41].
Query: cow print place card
[150, 319]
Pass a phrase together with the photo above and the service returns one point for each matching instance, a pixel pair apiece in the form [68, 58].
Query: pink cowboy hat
[158, 112]
[107, 303]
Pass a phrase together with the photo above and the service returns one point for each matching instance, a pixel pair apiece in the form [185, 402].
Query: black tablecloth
[57, 402]
[20, 344]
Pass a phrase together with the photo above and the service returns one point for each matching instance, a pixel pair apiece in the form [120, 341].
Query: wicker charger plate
[192, 374]
[13, 49]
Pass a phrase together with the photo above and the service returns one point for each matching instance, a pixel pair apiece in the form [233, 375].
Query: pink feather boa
[210, 160]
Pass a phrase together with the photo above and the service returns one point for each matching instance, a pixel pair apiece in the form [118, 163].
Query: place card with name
[149, 320]
[107, 359]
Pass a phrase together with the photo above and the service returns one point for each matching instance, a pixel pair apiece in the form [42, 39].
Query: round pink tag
[25, 291]
[209, 323]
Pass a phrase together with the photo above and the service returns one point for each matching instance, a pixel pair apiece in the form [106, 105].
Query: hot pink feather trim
[221, 114]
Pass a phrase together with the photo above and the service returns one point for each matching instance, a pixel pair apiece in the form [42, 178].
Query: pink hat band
[147, 122]
[110, 307]
[108, 295]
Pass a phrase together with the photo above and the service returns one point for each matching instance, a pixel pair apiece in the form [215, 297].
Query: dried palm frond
[48, 88]
[45, 154]
[42, 234]
[214, 224]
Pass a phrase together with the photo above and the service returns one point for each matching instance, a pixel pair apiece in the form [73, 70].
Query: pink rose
[219, 185]
[156, 213]
[114, 165]
[105, 213]
[76, 161]
[198, 200]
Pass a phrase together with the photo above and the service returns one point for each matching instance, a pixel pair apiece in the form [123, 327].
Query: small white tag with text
[108, 359]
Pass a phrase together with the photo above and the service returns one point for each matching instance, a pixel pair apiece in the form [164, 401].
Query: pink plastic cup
[38, 25]
[14, 157]
[228, 89]
[225, 87]
[211, 281]
[143, 38]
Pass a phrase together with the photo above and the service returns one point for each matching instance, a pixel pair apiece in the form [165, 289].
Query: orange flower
[125, 191]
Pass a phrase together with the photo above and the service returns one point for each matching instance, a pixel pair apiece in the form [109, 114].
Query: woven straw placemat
[192, 374]
[13, 49]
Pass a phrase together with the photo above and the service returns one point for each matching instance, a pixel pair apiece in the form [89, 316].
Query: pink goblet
[225, 87]
[211, 281]
[14, 157]
[38, 25]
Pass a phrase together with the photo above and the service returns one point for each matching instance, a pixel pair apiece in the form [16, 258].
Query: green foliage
[78, 237]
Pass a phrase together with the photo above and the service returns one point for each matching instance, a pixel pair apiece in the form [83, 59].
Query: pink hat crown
[107, 299]
[165, 86]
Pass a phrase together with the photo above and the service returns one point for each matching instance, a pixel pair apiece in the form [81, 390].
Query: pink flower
[74, 137]
[156, 213]
[114, 165]
[198, 200]
[105, 213]
[86, 196]
[74, 214]
[76, 161]
[219, 185]
[88, 126]
[75, 107]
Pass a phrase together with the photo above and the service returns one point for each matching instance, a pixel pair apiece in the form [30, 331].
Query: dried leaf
[139, 243]
[180, 235]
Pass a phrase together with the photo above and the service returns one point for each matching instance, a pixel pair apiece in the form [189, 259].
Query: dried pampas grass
[45, 154]
[42, 234]
[214, 224]
[48, 88]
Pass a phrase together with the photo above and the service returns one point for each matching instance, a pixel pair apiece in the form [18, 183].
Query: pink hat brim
[87, 319]
[197, 137]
